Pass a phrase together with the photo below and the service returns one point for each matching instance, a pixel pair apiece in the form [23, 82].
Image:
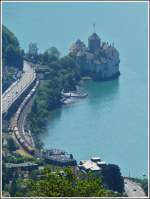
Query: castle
[99, 60]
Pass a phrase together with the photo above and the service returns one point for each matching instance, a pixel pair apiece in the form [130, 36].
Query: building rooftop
[94, 164]
[90, 165]
[57, 156]
[62, 158]
[24, 164]
[95, 159]
[94, 36]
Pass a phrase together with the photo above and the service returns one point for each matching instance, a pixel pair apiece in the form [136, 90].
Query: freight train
[19, 136]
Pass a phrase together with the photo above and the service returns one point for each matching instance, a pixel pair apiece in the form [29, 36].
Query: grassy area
[22, 152]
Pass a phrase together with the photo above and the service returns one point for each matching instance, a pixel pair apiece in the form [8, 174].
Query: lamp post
[143, 176]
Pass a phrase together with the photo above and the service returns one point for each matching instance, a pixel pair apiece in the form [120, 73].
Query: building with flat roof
[22, 166]
[94, 165]
[58, 157]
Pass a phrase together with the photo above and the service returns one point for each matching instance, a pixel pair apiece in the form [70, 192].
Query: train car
[26, 144]
[18, 137]
[30, 150]
[23, 104]
[21, 140]
[15, 129]
[14, 124]
[19, 110]
[23, 143]
[29, 95]
[15, 118]
[33, 90]
[17, 115]
[17, 133]
[27, 147]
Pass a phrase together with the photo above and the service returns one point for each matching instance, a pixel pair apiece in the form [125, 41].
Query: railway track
[16, 125]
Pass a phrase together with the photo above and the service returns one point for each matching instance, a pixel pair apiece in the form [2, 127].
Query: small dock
[75, 94]
[69, 97]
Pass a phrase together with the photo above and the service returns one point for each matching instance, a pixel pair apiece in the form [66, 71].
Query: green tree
[51, 55]
[144, 185]
[12, 54]
[68, 185]
[11, 145]
[63, 74]
[53, 51]
[13, 188]
[12, 57]
[32, 54]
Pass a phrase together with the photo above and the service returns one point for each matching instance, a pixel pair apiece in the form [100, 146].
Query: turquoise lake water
[112, 122]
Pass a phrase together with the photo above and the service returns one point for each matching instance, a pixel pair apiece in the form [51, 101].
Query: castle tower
[94, 41]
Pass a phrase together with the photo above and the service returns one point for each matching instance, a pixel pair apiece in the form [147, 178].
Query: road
[132, 189]
[18, 87]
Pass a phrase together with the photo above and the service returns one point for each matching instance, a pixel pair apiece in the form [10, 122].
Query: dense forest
[12, 57]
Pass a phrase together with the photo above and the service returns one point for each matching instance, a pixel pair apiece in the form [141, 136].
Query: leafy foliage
[32, 54]
[12, 54]
[144, 185]
[51, 54]
[12, 57]
[13, 189]
[11, 144]
[63, 75]
[68, 185]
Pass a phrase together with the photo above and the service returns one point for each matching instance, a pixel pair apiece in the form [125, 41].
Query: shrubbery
[63, 75]
[68, 185]
[12, 57]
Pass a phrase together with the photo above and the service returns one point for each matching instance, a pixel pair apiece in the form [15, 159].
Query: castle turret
[94, 42]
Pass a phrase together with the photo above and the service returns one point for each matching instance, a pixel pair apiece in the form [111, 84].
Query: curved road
[132, 189]
[18, 87]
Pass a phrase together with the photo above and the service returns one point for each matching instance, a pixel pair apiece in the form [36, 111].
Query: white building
[93, 165]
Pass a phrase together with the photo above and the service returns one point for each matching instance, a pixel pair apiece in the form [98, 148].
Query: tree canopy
[12, 57]
[51, 54]
[64, 75]
[68, 185]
